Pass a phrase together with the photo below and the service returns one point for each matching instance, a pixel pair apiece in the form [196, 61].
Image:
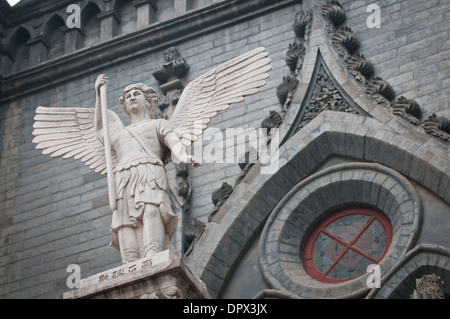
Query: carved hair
[148, 92]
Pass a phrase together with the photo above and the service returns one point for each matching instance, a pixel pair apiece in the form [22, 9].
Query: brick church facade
[356, 203]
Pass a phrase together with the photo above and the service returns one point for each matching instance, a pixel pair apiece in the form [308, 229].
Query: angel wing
[70, 132]
[214, 91]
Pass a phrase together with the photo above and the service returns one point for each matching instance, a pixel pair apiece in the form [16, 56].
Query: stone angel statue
[134, 156]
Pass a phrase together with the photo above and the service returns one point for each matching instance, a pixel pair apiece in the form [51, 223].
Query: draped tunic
[140, 175]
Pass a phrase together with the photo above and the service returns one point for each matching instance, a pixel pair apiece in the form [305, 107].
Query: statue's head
[137, 96]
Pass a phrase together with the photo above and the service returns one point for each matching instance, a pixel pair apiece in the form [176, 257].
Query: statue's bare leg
[129, 247]
[153, 231]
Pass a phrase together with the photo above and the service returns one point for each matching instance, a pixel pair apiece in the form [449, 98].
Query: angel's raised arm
[98, 121]
[102, 80]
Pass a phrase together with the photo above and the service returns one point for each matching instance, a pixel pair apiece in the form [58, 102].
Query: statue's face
[135, 101]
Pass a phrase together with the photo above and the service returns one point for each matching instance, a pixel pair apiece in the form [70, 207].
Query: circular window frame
[309, 248]
[314, 199]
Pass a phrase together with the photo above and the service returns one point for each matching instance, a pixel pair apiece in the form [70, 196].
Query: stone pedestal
[163, 276]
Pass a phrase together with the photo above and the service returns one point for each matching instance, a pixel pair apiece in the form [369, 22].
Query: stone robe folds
[142, 180]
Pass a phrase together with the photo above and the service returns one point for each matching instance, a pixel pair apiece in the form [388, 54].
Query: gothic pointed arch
[127, 13]
[53, 31]
[424, 260]
[101, 5]
[18, 50]
[90, 24]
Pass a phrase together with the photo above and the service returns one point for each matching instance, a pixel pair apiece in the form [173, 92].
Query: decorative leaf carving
[286, 88]
[344, 37]
[429, 287]
[192, 235]
[438, 126]
[302, 23]
[334, 12]
[273, 120]
[294, 56]
[325, 96]
[408, 109]
[218, 198]
[357, 63]
[378, 86]
[219, 195]
[294, 53]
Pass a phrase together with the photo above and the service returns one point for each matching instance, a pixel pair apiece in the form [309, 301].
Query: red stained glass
[344, 244]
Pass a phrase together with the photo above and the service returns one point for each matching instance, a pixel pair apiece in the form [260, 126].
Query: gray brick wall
[54, 212]
[411, 50]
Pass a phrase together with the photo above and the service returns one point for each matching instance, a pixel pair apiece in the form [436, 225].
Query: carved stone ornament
[174, 66]
[286, 89]
[295, 52]
[246, 162]
[360, 68]
[345, 41]
[325, 96]
[221, 194]
[408, 109]
[346, 44]
[218, 197]
[294, 56]
[192, 235]
[134, 156]
[302, 23]
[334, 12]
[438, 126]
[381, 91]
[272, 121]
[429, 287]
